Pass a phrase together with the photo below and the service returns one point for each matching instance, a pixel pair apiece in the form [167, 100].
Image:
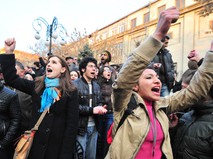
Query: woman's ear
[63, 69]
[135, 88]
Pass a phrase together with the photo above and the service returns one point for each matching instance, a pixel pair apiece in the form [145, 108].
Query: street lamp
[51, 31]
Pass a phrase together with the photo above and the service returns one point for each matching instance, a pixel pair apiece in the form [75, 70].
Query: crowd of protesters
[85, 99]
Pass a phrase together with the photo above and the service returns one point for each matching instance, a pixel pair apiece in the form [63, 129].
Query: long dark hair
[65, 84]
[101, 78]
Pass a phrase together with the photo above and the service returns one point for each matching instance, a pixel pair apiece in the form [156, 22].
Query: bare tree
[77, 42]
[39, 48]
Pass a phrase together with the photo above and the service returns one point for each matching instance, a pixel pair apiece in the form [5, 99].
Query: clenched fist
[9, 45]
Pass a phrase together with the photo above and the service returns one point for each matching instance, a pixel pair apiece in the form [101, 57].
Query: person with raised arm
[56, 136]
[144, 134]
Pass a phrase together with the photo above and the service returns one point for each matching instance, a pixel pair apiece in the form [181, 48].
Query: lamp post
[50, 32]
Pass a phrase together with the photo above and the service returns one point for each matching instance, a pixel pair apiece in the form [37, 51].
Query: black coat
[166, 76]
[84, 109]
[194, 135]
[56, 136]
[26, 106]
[106, 91]
[10, 116]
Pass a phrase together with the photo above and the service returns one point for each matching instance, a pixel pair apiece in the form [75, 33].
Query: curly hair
[84, 62]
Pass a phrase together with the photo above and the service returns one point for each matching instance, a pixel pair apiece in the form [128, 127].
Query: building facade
[191, 31]
[25, 58]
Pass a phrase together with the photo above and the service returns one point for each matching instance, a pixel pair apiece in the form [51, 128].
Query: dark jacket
[166, 71]
[26, 106]
[10, 116]
[84, 110]
[56, 136]
[39, 72]
[194, 135]
[73, 67]
[106, 91]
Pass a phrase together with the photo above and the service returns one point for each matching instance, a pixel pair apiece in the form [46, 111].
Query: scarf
[51, 94]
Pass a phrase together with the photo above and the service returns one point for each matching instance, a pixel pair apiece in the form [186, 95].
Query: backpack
[130, 107]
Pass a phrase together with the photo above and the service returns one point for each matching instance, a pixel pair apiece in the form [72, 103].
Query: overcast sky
[17, 16]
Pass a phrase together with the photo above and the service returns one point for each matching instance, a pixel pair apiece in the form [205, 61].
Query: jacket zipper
[147, 130]
[4, 128]
[154, 131]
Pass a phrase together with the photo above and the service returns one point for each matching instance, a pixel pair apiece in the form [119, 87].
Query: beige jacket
[134, 130]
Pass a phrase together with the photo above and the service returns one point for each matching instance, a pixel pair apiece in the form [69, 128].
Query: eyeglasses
[92, 66]
[107, 70]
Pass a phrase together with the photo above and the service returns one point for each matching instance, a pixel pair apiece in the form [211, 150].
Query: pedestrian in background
[74, 75]
[25, 100]
[10, 120]
[89, 109]
[106, 58]
[105, 120]
[164, 66]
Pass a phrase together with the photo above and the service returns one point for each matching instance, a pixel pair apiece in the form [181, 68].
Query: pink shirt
[149, 149]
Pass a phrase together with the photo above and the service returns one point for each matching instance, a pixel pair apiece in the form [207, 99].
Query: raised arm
[198, 88]
[140, 58]
[7, 62]
[167, 17]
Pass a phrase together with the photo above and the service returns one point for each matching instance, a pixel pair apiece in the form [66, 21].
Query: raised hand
[194, 56]
[167, 17]
[9, 45]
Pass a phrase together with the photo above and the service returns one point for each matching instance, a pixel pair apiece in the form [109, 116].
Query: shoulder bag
[25, 141]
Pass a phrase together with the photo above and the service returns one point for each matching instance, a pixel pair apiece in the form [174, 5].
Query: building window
[146, 18]
[105, 35]
[114, 31]
[120, 49]
[122, 28]
[160, 9]
[211, 25]
[180, 4]
[135, 42]
[133, 23]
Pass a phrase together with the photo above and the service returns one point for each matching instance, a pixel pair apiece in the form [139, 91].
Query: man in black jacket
[192, 137]
[89, 108]
[10, 118]
[194, 133]
[25, 101]
[164, 66]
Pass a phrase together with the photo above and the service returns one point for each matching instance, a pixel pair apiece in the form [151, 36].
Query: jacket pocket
[3, 128]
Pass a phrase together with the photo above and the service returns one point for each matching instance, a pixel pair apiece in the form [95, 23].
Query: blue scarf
[50, 94]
